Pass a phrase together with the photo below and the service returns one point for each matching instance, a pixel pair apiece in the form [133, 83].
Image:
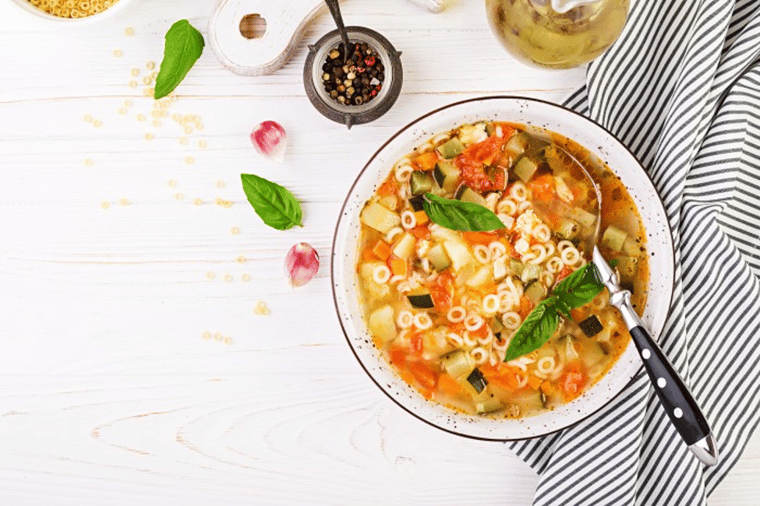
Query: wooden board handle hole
[253, 26]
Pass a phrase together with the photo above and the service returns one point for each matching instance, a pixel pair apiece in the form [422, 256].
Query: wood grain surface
[134, 369]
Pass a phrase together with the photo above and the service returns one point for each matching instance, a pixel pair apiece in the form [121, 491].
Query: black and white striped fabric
[681, 88]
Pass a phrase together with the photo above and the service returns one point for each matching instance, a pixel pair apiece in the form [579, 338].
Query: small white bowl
[109, 13]
[533, 112]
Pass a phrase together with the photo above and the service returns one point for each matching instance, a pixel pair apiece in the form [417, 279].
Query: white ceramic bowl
[95, 18]
[530, 112]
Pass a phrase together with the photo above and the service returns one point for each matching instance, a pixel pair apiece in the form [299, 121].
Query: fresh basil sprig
[458, 215]
[576, 290]
[274, 204]
[183, 46]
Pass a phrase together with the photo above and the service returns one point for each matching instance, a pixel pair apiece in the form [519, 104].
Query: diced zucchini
[488, 405]
[379, 218]
[517, 144]
[421, 299]
[525, 168]
[458, 254]
[535, 292]
[451, 148]
[420, 182]
[438, 257]
[417, 202]
[382, 324]
[389, 201]
[627, 267]
[614, 238]
[516, 267]
[568, 229]
[631, 247]
[591, 326]
[405, 246]
[530, 273]
[583, 217]
[532, 400]
[472, 134]
[477, 380]
[481, 277]
[458, 364]
[467, 194]
[446, 174]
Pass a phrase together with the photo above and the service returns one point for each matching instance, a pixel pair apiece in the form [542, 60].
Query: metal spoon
[338, 18]
[674, 395]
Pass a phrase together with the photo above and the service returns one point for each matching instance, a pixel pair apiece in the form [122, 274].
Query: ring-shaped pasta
[507, 302]
[422, 321]
[469, 340]
[404, 319]
[396, 279]
[485, 340]
[554, 264]
[497, 249]
[456, 314]
[425, 263]
[562, 245]
[547, 278]
[540, 254]
[482, 253]
[518, 192]
[491, 303]
[440, 139]
[491, 200]
[454, 339]
[408, 220]
[542, 233]
[511, 320]
[523, 206]
[517, 290]
[570, 256]
[473, 322]
[507, 206]
[529, 257]
[545, 365]
[393, 234]
[479, 355]
[403, 173]
[493, 359]
[381, 274]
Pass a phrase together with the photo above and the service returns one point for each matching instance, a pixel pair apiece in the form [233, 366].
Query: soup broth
[442, 305]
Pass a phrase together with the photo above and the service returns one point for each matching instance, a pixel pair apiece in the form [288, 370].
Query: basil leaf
[458, 215]
[537, 328]
[183, 46]
[274, 204]
[580, 287]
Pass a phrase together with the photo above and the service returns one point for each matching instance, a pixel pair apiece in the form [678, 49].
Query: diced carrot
[546, 387]
[368, 255]
[542, 187]
[382, 250]
[398, 266]
[427, 161]
[420, 232]
[389, 187]
[421, 217]
[449, 385]
[565, 272]
[416, 344]
[479, 237]
[526, 306]
[534, 382]
[573, 381]
[577, 314]
[427, 377]
[397, 356]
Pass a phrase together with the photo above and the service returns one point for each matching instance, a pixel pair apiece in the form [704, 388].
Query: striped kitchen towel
[681, 88]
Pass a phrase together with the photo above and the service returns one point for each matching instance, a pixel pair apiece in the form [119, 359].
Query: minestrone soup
[442, 305]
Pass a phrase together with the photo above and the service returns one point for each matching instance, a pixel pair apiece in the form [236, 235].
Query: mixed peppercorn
[356, 79]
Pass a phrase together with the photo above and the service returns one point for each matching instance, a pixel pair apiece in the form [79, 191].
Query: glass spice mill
[557, 33]
[352, 75]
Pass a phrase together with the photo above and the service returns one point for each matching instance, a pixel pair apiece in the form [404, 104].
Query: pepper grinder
[317, 63]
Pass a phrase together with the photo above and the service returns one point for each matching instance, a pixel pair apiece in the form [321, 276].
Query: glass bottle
[557, 33]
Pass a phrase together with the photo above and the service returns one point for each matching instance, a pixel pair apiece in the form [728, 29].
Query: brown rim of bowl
[350, 192]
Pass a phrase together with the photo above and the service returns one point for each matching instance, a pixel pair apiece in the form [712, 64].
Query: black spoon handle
[338, 18]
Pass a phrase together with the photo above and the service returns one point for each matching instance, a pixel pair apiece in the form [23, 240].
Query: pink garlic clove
[270, 140]
[301, 264]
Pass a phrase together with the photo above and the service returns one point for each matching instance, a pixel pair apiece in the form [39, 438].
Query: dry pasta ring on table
[456, 314]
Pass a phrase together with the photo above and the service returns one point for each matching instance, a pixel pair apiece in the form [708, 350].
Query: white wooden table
[133, 367]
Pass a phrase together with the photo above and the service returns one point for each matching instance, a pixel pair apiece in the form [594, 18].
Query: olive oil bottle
[557, 33]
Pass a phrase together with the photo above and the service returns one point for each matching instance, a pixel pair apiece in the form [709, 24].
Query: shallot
[301, 264]
[270, 140]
